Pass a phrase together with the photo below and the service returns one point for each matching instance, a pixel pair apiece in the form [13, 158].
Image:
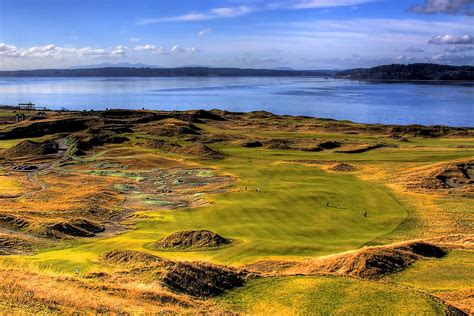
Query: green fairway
[327, 296]
[286, 219]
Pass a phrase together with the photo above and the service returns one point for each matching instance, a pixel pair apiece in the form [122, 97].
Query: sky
[301, 34]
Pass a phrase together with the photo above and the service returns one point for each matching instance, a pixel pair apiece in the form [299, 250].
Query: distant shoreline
[429, 82]
[374, 81]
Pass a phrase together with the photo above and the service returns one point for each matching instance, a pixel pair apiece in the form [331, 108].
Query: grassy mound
[30, 148]
[367, 263]
[197, 149]
[462, 299]
[48, 127]
[123, 257]
[203, 279]
[370, 263]
[79, 143]
[12, 221]
[342, 166]
[327, 295]
[278, 144]
[12, 244]
[191, 239]
[449, 278]
[170, 128]
[202, 151]
[376, 262]
[457, 175]
[87, 225]
[75, 228]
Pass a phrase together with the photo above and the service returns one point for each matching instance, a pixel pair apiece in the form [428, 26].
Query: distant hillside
[160, 72]
[112, 65]
[410, 72]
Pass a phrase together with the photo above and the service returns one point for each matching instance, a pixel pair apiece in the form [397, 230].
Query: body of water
[389, 103]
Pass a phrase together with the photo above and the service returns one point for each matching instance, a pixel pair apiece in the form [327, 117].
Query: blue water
[400, 103]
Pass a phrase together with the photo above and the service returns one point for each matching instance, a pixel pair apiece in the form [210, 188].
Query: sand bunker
[202, 279]
[329, 145]
[251, 144]
[191, 239]
[30, 148]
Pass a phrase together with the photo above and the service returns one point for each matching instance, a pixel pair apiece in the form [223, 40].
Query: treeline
[162, 72]
[399, 72]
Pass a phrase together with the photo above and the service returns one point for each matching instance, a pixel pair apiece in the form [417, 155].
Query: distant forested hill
[161, 72]
[409, 72]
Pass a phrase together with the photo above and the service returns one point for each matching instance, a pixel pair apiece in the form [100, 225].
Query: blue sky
[309, 34]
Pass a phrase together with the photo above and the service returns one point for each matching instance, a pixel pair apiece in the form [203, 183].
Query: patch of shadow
[202, 279]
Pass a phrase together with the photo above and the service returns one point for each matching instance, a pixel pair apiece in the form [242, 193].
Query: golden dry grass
[30, 292]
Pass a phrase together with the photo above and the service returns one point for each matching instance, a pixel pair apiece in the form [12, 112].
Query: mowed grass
[326, 295]
[451, 273]
[286, 219]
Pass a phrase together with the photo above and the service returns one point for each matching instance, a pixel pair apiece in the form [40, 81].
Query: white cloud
[445, 6]
[414, 50]
[204, 32]
[451, 39]
[453, 59]
[58, 52]
[8, 50]
[134, 39]
[165, 51]
[225, 12]
[458, 49]
[119, 51]
[316, 4]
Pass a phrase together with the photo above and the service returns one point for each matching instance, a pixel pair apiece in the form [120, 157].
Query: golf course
[216, 212]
